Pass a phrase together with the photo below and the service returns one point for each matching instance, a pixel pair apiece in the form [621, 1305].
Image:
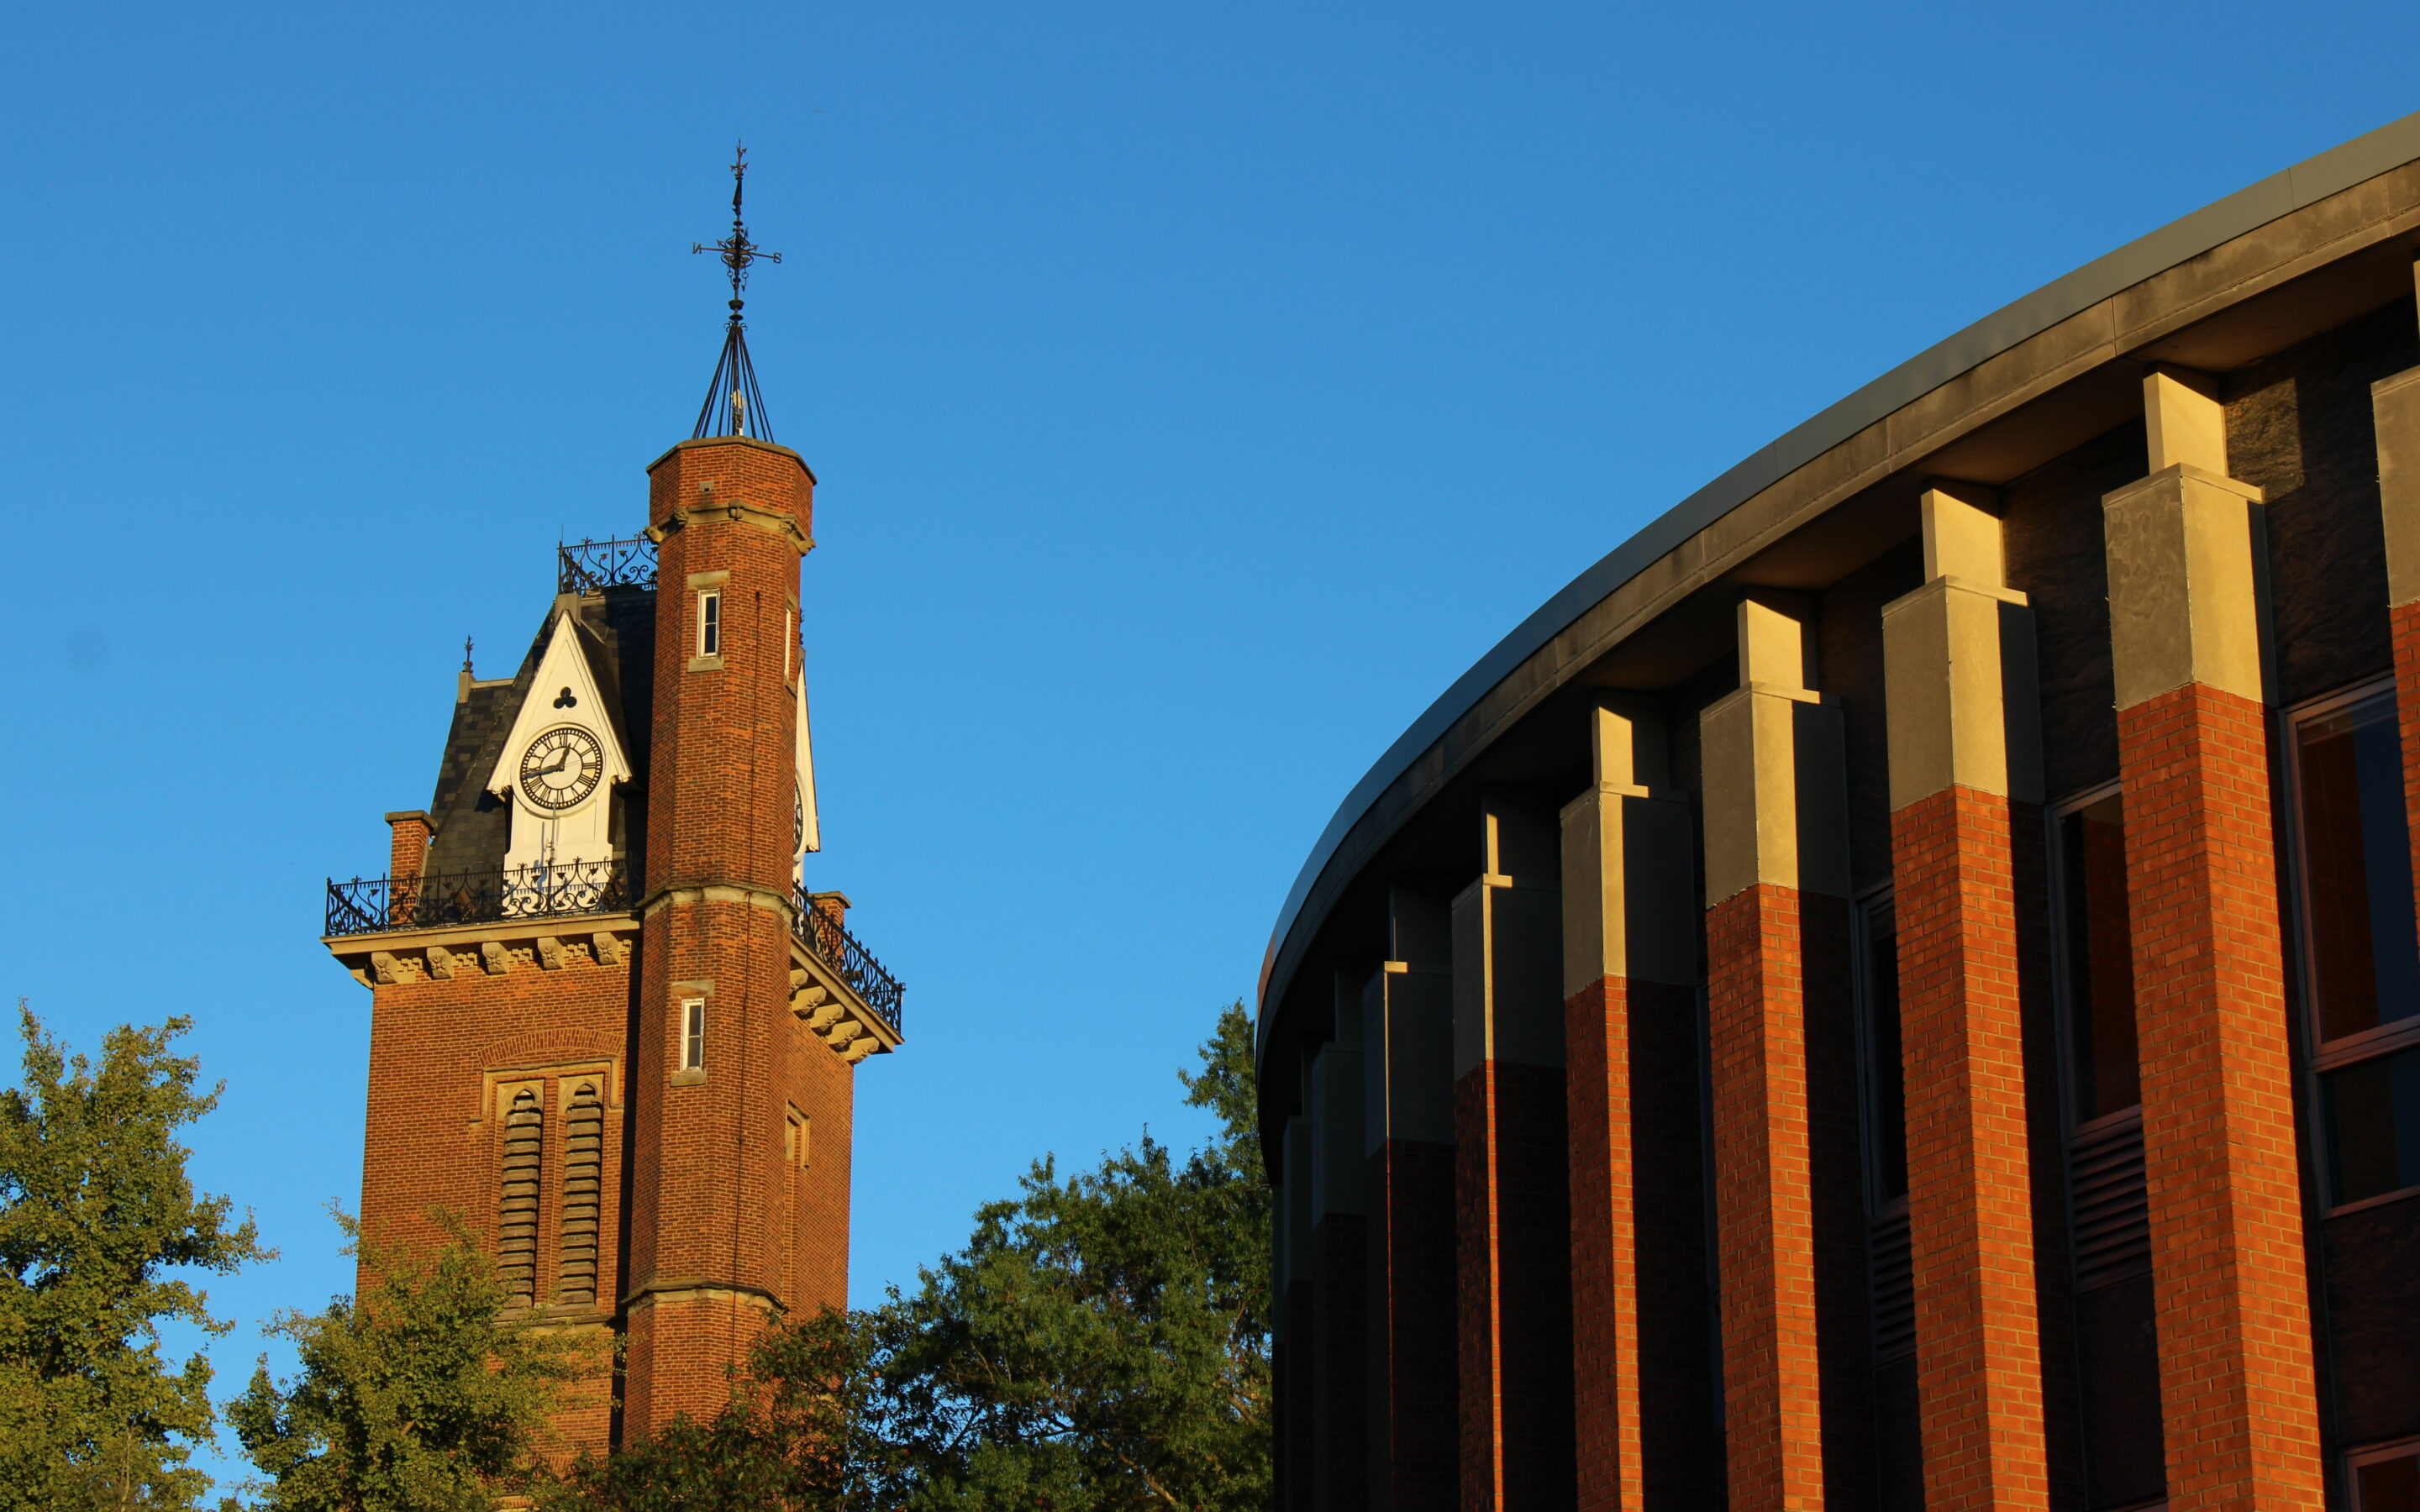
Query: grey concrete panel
[1338, 1159]
[1407, 1068]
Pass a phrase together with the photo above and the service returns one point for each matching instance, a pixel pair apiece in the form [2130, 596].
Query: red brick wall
[1642, 1384]
[1970, 1191]
[1413, 1437]
[431, 1140]
[1764, 1207]
[2236, 1372]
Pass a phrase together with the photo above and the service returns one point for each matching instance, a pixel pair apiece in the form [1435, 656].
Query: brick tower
[610, 1027]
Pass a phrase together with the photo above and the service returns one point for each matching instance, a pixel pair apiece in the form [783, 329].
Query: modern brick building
[610, 1027]
[1899, 987]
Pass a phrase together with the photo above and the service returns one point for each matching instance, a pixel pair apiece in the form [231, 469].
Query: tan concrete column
[1787, 1210]
[1641, 1384]
[2237, 1403]
[1961, 747]
[2395, 404]
[1408, 1102]
[1512, 1186]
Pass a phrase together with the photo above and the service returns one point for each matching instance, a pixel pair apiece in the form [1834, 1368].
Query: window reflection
[2103, 1074]
[2364, 954]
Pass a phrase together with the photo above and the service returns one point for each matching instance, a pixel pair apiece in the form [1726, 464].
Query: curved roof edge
[2281, 194]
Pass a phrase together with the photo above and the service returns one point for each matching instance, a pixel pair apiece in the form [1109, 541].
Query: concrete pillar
[2395, 404]
[1787, 1213]
[2239, 1415]
[1957, 663]
[1642, 1384]
[1407, 1109]
[1512, 1191]
[1340, 1281]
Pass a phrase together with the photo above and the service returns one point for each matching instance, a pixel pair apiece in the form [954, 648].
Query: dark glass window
[2390, 1484]
[2373, 1109]
[2364, 956]
[2100, 975]
[1885, 1086]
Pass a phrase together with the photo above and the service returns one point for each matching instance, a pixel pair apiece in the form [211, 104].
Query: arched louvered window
[517, 1217]
[584, 1173]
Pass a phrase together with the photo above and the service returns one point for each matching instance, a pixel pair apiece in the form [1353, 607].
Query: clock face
[797, 821]
[562, 767]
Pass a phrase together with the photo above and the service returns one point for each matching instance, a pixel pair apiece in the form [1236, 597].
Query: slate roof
[615, 630]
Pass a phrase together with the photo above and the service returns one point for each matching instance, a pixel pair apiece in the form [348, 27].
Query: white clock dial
[562, 767]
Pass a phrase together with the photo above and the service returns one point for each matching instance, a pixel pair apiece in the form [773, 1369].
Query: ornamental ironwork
[593, 566]
[832, 943]
[374, 906]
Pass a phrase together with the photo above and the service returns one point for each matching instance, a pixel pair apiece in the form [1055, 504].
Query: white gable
[815, 833]
[564, 692]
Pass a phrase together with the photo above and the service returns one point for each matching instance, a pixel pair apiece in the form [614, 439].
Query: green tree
[804, 1431]
[1101, 1344]
[417, 1395]
[96, 1215]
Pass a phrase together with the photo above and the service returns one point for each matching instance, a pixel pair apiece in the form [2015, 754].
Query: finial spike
[465, 653]
[732, 396]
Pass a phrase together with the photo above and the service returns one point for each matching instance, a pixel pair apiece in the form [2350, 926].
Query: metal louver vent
[1893, 1267]
[584, 1169]
[2112, 1203]
[517, 1216]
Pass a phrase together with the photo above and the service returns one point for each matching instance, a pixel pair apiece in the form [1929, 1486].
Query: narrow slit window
[693, 1034]
[584, 1173]
[2105, 1074]
[709, 623]
[1886, 1078]
[517, 1212]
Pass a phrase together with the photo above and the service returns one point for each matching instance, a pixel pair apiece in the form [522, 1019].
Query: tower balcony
[407, 929]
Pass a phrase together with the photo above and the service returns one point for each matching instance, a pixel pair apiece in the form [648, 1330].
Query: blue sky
[1196, 389]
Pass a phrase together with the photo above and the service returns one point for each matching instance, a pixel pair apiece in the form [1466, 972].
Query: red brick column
[1796, 1375]
[1962, 742]
[1642, 1389]
[709, 1252]
[408, 834]
[1970, 1199]
[1407, 1033]
[1764, 1207]
[2236, 1371]
[1512, 1194]
[1414, 1427]
[2237, 1395]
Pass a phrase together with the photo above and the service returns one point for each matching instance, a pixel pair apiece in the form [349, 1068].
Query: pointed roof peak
[734, 405]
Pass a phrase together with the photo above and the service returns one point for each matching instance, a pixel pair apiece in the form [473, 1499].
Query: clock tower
[612, 1026]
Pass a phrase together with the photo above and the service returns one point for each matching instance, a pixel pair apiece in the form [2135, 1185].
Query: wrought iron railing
[593, 566]
[376, 905]
[835, 945]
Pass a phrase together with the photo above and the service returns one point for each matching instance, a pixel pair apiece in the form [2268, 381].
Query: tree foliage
[416, 1395]
[1100, 1344]
[97, 1216]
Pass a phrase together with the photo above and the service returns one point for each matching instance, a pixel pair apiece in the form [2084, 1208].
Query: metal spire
[734, 407]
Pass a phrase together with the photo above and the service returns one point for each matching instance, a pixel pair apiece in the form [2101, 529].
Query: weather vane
[732, 405]
[737, 251]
